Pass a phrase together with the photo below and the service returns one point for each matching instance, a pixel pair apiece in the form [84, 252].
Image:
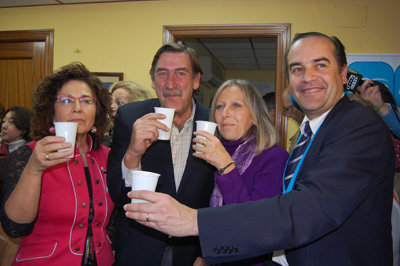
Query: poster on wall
[381, 67]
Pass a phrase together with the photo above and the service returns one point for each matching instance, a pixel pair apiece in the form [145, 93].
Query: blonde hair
[136, 92]
[266, 134]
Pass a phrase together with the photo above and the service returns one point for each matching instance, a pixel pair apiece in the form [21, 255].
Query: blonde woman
[124, 92]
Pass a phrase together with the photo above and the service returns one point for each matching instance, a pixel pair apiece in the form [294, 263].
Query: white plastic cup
[143, 180]
[169, 113]
[68, 131]
[205, 126]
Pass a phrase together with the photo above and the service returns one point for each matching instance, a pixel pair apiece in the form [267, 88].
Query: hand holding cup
[169, 113]
[212, 151]
[68, 131]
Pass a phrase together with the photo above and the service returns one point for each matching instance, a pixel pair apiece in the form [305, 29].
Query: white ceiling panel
[239, 53]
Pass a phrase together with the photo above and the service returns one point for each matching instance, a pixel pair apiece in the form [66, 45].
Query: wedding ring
[205, 142]
[47, 157]
[147, 217]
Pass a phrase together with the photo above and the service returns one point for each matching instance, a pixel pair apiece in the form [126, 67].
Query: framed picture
[109, 78]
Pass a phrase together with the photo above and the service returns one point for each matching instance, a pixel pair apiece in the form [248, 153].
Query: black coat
[339, 211]
[137, 244]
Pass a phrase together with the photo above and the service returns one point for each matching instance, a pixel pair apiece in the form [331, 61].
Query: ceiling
[19, 3]
[238, 53]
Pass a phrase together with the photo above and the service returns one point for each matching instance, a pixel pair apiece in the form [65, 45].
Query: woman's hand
[210, 149]
[372, 94]
[46, 153]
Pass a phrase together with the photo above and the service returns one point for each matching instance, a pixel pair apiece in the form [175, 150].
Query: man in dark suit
[338, 211]
[175, 73]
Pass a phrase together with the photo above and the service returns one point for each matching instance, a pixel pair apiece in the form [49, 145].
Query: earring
[52, 130]
[93, 130]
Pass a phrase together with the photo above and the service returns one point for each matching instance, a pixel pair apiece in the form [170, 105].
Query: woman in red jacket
[60, 205]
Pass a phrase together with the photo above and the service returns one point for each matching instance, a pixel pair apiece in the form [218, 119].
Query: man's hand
[144, 133]
[164, 213]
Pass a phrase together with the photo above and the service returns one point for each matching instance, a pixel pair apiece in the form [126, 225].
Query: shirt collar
[316, 122]
[191, 118]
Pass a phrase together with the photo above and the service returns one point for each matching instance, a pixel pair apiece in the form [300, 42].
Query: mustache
[172, 92]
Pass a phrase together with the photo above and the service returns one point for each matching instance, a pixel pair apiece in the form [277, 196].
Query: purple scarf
[243, 156]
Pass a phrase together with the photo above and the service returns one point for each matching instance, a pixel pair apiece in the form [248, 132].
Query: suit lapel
[164, 148]
[323, 130]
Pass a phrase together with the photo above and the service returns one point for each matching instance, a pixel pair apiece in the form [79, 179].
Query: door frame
[46, 36]
[280, 31]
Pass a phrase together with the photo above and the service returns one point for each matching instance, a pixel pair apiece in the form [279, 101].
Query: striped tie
[298, 151]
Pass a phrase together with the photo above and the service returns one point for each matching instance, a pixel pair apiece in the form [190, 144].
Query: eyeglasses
[70, 100]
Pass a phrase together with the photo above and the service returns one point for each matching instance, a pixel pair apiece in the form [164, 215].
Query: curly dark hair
[45, 95]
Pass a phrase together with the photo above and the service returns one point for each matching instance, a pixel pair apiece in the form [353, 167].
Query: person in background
[250, 163]
[124, 92]
[269, 99]
[61, 205]
[290, 111]
[337, 200]
[15, 129]
[383, 103]
[175, 73]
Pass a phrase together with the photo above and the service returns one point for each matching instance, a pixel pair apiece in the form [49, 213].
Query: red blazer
[59, 232]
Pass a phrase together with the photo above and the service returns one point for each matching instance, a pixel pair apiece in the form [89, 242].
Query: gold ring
[205, 142]
[47, 157]
[147, 217]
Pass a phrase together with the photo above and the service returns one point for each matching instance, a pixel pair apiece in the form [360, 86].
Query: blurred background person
[124, 92]
[290, 111]
[269, 99]
[381, 99]
[383, 103]
[250, 164]
[15, 129]
[61, 205]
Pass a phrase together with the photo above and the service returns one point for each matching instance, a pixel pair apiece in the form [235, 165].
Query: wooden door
[25, 58]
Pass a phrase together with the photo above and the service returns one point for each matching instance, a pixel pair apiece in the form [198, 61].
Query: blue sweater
[392, 121]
